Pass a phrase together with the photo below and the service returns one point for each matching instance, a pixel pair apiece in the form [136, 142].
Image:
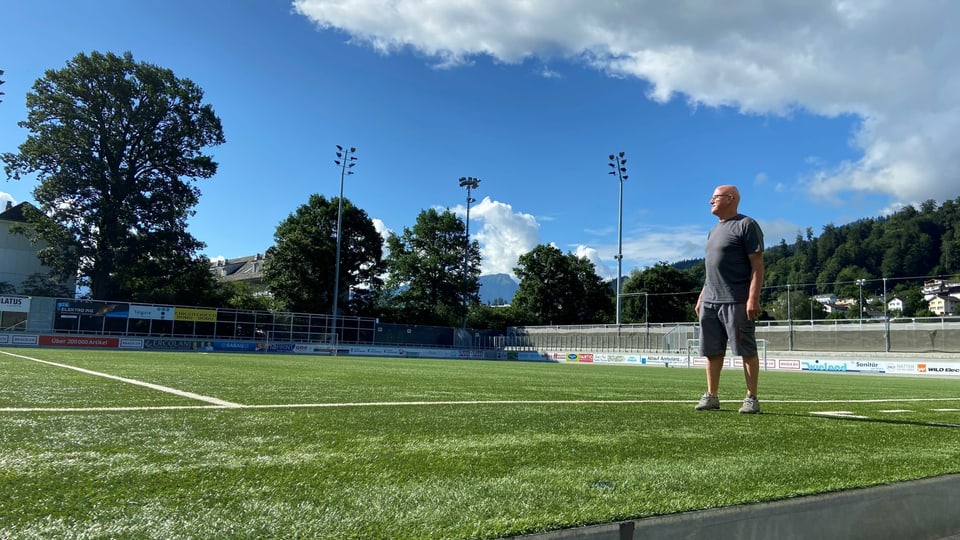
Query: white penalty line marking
[461, 402]
[218, 402]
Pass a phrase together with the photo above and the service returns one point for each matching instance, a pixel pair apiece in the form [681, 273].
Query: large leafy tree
[301, 266]
[660, 293]
[116, 146]
[560, 289]
[434, 273]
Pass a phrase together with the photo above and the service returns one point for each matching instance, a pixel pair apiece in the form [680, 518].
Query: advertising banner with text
[73, 308]
[15, 303]
[195, 314]
[79, 341]
[151, 312]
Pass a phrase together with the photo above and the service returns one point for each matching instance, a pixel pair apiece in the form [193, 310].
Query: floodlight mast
[860, 283]
[470, 183]
[346, 161]
[618, 163]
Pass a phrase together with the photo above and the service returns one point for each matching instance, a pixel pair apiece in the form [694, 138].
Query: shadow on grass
[858, 418]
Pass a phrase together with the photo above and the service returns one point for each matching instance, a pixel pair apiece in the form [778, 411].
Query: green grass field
[320, 447]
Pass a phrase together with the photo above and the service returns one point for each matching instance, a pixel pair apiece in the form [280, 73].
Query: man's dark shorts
[723, 323]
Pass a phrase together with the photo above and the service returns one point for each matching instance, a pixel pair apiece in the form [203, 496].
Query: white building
[18, 257]
[943, 305]
[826, 299]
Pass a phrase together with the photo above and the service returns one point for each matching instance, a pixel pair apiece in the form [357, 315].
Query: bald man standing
[729, 302]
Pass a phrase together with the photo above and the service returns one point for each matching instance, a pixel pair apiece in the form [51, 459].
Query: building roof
[14, 213]
[249, 268]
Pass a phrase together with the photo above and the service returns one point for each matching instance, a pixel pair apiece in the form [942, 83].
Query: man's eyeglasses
[715, 197]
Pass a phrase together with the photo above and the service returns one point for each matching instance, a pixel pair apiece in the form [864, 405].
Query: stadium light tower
[346, 161]
[470, 183]
[619, 165]
[860, 283]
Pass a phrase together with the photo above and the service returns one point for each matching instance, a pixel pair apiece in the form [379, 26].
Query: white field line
[167, 389]
[448, 403]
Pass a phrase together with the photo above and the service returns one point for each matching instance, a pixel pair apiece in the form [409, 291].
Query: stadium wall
[246, 346]
[919, 364]
[932, 335]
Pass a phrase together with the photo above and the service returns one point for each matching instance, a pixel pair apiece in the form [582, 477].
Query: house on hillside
[939, 287]
[834, 308]
[826, 299]
[18, 256]
[943, 305]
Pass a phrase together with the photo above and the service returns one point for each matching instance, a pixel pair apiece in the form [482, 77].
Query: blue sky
[819, 111]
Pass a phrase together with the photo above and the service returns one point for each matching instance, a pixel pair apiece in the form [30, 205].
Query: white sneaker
[708, 403]
[751, 405]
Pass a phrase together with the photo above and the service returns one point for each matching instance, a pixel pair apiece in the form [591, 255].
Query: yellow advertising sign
[194, 314]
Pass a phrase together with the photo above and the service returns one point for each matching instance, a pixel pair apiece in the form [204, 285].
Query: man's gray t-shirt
[727, 263]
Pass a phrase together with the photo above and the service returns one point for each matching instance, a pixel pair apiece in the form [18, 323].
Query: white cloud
[890, 63]
[503, 234]
[381, 228]
[384, 232]
[4, 199]
[593, 255]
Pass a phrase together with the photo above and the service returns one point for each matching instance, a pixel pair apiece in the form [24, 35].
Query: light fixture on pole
[886, 317]
[646, 319]
[619, 165]
[860, 283]
[346, 161]
[789, 321]
[470, 183]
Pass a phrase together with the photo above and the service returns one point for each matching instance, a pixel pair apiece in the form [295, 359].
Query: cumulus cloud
[384, 233]
[6, 198]
[600, 266]
[503, 234]
[891, 64]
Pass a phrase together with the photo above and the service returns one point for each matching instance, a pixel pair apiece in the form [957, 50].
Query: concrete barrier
[921, 509]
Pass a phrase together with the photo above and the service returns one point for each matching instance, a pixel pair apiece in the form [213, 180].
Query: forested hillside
[896, 254]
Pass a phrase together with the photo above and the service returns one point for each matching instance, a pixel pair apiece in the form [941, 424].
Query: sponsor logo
[4, 338]
[194, 314]
[932, 369]
[15, 303]
[168, 344]
[72, 341]
[817, 366]
[131, 343]
[69, 308]
[942, 370]
[24, 340]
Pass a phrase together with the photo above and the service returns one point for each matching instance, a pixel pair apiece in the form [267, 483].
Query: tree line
[118, 146]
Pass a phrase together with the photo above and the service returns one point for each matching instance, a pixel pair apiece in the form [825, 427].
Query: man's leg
[751, 372]
[710, 401]
[714, 365]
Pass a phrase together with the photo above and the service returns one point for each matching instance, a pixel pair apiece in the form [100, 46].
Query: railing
[17, 327]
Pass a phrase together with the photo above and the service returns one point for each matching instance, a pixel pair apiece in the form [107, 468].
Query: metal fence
[57, 315]
[915, 335]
